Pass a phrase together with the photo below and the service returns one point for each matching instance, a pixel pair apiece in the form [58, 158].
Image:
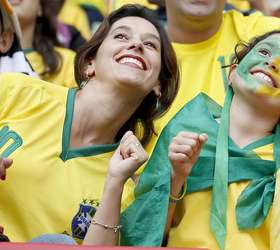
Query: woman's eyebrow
[146, 35]
[123, 27]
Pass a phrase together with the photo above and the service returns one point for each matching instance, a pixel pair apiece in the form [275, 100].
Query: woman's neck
[28, 35]
[249, 123]
[99, 114]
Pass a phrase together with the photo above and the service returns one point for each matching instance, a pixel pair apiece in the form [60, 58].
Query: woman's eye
[150, 44]
[264, 52]
[121, 36]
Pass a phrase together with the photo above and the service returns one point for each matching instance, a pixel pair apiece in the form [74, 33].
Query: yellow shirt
[75, 16]
[50, 186]
[65, 76]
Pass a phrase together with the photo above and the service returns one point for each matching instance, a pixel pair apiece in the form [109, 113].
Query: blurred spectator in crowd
[3, 237]
[72, 14]
[94, 9]
[115, 4]
[268, 7]
[160, 11]
[12, 58]
[156, 6]
[39, 40]
[67, 34]
[241, 5]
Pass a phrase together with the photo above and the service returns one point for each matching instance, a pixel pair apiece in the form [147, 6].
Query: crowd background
[74, 22]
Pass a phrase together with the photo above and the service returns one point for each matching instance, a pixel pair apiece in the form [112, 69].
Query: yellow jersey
[50, 188]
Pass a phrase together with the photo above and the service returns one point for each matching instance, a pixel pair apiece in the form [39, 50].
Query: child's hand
[184, 150]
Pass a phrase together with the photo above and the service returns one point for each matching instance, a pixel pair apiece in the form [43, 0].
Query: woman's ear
[90, 69]
[232, 70]
[6, 40]
[157, 90]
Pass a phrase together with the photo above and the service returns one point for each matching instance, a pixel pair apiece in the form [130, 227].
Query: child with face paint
[224, 185]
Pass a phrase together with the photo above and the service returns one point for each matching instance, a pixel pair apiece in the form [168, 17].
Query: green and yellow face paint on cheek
[260, 68]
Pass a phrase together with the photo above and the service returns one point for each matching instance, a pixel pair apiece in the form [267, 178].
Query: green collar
[69, 153]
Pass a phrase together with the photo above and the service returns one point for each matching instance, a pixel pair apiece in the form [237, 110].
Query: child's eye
[264, 52]
[150, 44]
[121, 36]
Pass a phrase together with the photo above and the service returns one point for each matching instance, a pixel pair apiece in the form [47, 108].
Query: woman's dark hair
[45, 38]
[148, 110]
[1, 22]
[243, 48]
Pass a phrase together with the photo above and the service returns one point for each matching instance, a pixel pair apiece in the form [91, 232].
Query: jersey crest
[81, 221]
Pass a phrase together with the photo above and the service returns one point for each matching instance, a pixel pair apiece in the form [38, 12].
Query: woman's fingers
[4, 164]
[131, 147]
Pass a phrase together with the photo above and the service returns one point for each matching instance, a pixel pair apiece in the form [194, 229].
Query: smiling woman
[147, 45]
[128, 77]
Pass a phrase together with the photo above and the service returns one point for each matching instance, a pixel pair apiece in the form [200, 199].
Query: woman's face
[259, 71]
[130, 55]
[27, 10]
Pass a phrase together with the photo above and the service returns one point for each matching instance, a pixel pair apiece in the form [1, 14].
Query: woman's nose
[137, 45]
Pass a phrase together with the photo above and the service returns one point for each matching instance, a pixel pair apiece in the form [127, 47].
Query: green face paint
[256, 67]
